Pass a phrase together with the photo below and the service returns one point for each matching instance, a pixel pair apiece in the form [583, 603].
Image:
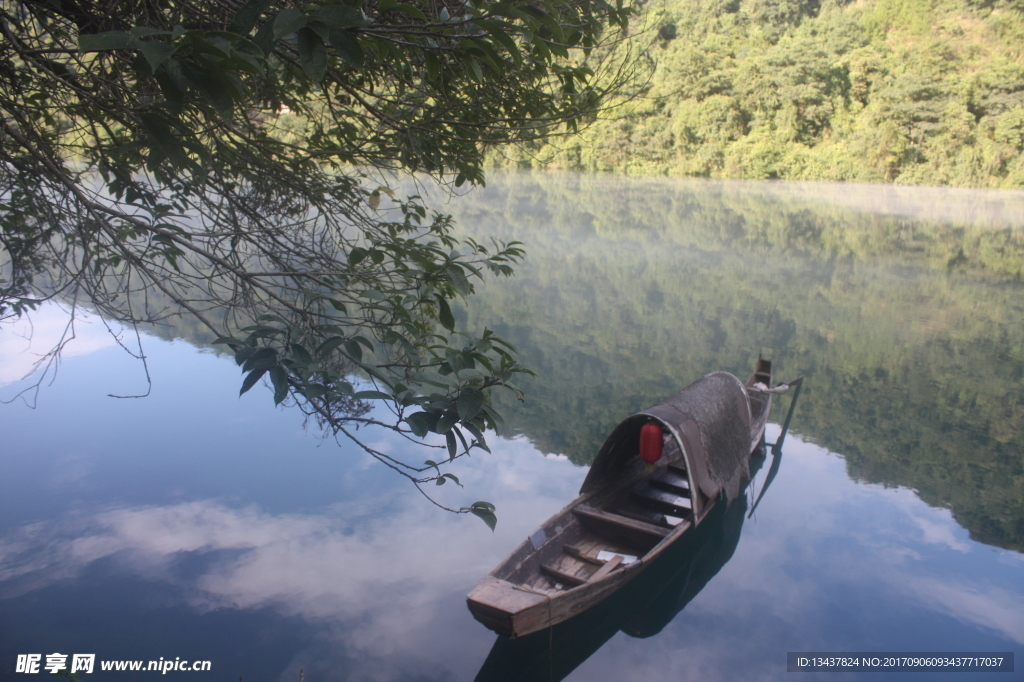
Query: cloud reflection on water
[23, 342]
[384, 575]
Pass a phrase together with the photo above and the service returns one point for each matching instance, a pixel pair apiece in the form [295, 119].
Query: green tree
[231, 162]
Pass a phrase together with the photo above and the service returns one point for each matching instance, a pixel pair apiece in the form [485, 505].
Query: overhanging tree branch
[199, 159]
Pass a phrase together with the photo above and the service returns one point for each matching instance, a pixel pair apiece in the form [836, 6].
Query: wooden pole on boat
[799, 383]
[773, 470]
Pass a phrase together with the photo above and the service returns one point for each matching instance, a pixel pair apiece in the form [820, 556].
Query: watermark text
[86, 663]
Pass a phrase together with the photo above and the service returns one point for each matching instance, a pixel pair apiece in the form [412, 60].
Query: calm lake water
[192, 524]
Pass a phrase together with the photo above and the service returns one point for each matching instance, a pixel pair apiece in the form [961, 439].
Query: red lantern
[650, 443]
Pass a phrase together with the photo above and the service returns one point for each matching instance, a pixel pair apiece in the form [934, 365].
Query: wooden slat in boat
[608, 567]
[576, 551]
[561, 576]
[671, 482]
[678, 469]
[661, 501]
[614, 526]
[632, 510]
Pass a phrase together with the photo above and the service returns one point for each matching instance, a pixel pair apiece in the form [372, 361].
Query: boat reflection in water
[642, 608]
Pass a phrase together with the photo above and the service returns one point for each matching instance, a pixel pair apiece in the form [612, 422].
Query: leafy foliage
[912, 92]
[229, 162]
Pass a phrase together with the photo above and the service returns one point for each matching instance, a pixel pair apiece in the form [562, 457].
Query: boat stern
[503, 607]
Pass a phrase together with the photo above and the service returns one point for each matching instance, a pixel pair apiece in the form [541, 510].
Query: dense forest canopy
[906, 91]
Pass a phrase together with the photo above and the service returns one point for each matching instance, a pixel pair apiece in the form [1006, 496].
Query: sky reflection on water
[198, 525]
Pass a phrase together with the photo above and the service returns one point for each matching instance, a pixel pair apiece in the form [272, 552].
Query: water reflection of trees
[632, 289]
[911, 333]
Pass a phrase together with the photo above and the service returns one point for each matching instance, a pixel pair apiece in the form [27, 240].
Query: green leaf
[496, 30]
[447, 421]
[288, 21]
[314, 390]
[433, 65]
[410, 10]
[251, 379]
[473, 68]
[486, 515]
[453, 445]
[312, 54]
[264, 357]
[325, 348]
[243, 354]
[210, 84]
[300, 354]
[494, 415]
[419, 423]
[339, 16]
[99, 42]
[279, 378]
[245, 18]
[469, 404]
[459, 281]
[462, 439]
[156, 53]
[354, 351]
[172, 84]
[434, 379]
[137, 32]
[356, 254]
[444, 314]
[478, 434]
[227, 341]
[371, 395]
[348, 48]
[264, 38]
[489, 53]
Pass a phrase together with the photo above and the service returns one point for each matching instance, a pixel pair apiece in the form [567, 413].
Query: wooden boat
[630, 510]
[642, 608]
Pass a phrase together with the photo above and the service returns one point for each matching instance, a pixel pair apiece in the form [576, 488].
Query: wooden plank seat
[661, 501]
[679, 470]
[562, 576]
[632, 532]
[671, 482]
[639, 512]
[608, 567]
[604, 568]
[577, 553]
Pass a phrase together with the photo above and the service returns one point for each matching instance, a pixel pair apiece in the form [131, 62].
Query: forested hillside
[905, 91]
